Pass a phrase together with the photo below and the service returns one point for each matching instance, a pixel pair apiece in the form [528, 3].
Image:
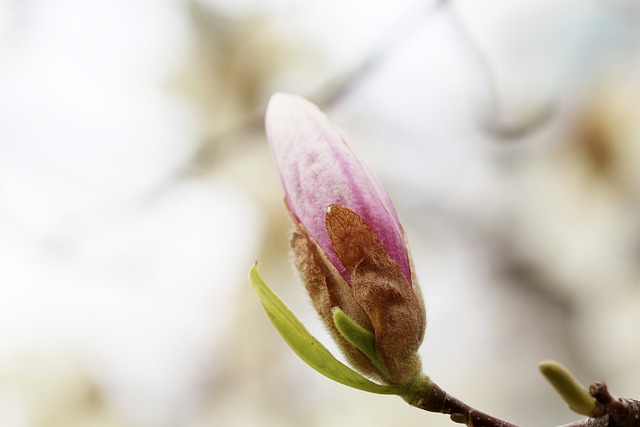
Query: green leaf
[306, 346]
[568, 387]
[358, 336]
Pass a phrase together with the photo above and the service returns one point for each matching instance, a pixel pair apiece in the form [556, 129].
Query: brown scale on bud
[351, 238]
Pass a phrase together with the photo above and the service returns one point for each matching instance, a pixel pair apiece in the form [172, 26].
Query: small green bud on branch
[568, 387]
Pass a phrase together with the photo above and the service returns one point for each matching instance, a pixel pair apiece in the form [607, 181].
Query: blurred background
[136, 192]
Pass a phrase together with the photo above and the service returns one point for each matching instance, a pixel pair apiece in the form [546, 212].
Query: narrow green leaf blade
[306, 346]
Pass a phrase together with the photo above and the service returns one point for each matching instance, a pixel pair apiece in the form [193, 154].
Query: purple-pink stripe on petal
[318, 167]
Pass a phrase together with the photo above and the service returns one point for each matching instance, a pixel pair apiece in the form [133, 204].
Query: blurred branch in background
[490, 110]
[251, 54]
[238, 58]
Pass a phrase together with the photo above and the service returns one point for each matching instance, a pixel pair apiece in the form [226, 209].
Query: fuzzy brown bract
[379, 298]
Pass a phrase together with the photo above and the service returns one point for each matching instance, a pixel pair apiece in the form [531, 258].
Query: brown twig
[610, 411]
[438, 400]
[622, 412]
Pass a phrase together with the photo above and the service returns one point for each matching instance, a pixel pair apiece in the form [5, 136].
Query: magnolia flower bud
[348, 244]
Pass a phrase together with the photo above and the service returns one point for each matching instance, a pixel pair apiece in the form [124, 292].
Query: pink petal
[319, 167]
